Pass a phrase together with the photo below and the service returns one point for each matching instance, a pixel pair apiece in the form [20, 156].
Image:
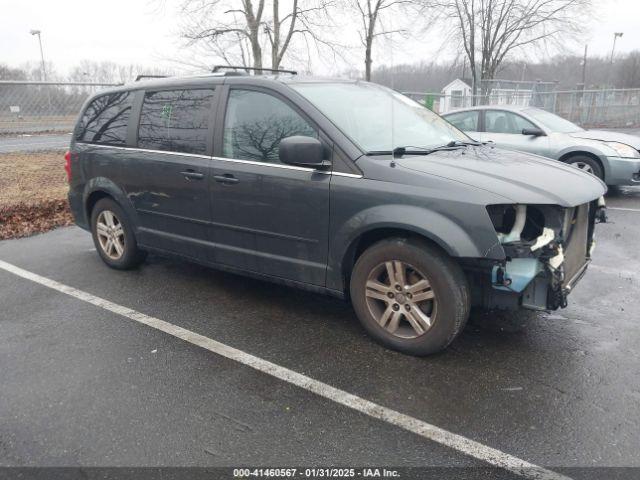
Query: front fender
[593, 150]
[444, 231]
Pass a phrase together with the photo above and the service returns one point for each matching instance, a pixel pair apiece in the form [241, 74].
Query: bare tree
[225, 26]
[370, 13]
[491, 30]
[236, 30]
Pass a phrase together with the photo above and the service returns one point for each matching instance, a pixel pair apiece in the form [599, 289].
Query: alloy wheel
[110, 234]
[584, 166]
[400, 299]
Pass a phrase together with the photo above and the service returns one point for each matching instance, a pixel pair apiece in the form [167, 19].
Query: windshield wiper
[400, 151]
[413, 150]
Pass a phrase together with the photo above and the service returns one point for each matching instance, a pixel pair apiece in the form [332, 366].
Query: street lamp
[615, 37]
[44, 72]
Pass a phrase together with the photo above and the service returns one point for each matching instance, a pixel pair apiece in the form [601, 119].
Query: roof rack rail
[140, 77]
[217, 68]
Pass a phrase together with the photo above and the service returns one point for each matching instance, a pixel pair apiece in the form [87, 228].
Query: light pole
[615, 37]
[44, 72]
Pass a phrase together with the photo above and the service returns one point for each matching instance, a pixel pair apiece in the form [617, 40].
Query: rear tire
[587, 164]
[113, 236]
[410, 296]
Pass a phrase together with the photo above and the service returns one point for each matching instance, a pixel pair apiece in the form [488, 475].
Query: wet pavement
[83, 386]
[32, 143]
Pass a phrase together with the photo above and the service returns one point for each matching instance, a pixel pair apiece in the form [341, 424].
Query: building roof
[454, 82]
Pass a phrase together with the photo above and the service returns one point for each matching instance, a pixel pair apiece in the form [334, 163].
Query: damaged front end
[547, 251]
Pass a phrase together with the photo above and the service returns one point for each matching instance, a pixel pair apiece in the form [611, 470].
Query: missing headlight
[517, 223]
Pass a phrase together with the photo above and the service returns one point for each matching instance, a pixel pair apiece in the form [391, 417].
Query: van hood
[516, 176]
[606, 136]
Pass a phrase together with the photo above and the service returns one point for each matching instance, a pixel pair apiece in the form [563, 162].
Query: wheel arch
[100, 187]
[565, 157]
[369, 237]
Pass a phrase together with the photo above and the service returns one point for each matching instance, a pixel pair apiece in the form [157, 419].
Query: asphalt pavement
[86, 386]
[32, 143]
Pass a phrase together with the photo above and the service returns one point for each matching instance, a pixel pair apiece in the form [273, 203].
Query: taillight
[67, 165]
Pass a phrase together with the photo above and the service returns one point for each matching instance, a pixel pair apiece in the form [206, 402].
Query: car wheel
[113, 236]
[587, 164]
[410, 296]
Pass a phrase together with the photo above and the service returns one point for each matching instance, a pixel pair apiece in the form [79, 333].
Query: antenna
[392, 100]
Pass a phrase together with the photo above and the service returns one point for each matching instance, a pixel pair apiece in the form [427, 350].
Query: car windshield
[552, 121]
[379, 119]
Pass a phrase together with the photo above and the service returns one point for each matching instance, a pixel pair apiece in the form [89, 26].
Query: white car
[612, 156]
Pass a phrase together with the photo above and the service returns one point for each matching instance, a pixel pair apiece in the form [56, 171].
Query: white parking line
[624, 209]
[452, 440]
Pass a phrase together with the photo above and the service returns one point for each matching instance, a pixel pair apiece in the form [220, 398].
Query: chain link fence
[613, 108]
[38, 107]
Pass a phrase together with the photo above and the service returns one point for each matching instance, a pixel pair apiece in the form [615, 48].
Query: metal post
[44, 70]
[615, 37]
[584, 68]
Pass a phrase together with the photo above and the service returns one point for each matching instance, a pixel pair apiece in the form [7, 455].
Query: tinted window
[175, 120]
[255, 123]
[465, 121]
[105, 119]
[500, 121]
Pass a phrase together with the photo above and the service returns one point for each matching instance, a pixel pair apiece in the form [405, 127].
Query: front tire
[587, 164]
[410, 296]
[113, 236]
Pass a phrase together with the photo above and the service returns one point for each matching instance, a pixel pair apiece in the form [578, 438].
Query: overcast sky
[138, 31]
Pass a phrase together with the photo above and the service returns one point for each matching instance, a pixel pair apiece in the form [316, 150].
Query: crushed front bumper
[539, 274]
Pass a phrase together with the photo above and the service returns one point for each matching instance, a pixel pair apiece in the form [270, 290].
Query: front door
[468, 121]
[267, 217]
[170, 190]
[504, 128]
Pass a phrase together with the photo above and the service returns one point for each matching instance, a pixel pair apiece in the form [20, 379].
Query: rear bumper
[76, 205]
[622, 171]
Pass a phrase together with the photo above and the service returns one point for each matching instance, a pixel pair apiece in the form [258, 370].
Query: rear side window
[175, 120]
[105, 120]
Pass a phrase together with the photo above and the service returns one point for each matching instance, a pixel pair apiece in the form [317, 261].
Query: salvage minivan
[341, 187]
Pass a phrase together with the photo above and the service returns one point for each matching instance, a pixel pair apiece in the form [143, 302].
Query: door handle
[192, 175]
[227, 179]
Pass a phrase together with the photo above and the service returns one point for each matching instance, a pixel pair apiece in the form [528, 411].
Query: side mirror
[533, 132]
[302, 151]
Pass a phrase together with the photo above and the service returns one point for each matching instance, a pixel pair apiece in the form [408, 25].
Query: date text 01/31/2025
[314, 473]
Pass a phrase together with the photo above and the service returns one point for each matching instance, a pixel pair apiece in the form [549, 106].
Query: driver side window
[501, 121]
[256, 122]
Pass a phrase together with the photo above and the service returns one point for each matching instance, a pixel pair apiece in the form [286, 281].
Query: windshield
[378, 119]
[552, 121]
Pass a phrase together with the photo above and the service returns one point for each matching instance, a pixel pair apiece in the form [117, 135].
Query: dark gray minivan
[341, 187]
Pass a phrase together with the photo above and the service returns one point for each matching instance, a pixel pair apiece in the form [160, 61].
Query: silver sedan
[612, 156]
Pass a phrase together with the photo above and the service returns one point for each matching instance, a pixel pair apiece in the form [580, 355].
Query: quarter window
[175, 120]
[256, 122]
[105, 120]
[500, 121]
